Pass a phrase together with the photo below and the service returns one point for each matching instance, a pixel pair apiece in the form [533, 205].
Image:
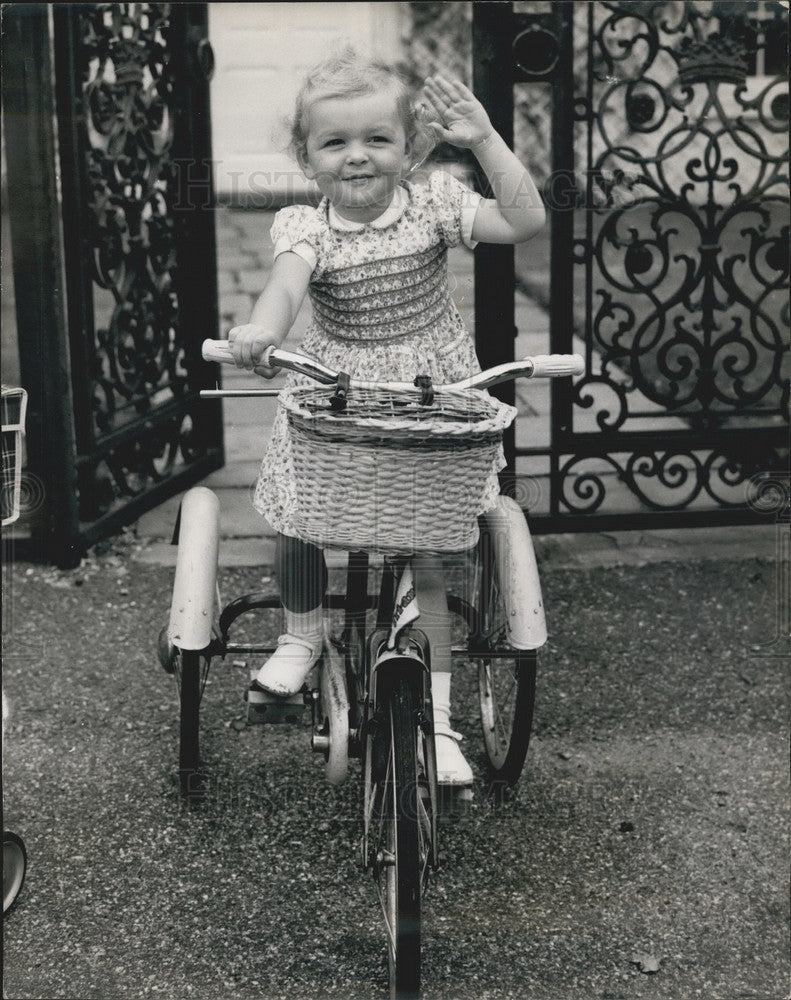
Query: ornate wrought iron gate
[108, 113]
[668, 197]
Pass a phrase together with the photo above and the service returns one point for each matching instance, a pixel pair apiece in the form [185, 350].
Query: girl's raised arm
[516, 212]
[273, 314]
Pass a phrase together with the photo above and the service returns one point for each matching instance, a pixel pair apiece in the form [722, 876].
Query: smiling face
[357, 152]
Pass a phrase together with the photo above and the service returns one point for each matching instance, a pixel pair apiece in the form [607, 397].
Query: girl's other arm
[516, 212]
[273, 314]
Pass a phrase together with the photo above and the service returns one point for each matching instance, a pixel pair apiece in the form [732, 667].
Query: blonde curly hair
[351, 75]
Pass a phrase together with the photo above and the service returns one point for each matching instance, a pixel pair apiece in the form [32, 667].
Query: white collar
[391, 214]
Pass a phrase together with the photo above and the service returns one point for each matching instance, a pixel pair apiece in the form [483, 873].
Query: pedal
[455, 803]
[273, 709]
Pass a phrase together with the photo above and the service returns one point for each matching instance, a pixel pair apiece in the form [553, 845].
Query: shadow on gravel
[644, 853]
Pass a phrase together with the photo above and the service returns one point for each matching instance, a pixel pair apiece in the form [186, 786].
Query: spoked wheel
[399, 835]
[14, 868]
[191, 670]
[506, 678]
[506, 691]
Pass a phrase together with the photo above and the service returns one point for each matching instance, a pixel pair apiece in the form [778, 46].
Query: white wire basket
[14, 410]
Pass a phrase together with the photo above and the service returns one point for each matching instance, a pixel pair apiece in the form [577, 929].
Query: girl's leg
[301, 571]
[302, 574]
[452, 768]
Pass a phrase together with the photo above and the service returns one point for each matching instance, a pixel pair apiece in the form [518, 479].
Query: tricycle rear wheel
[506, 675]
[191, 669]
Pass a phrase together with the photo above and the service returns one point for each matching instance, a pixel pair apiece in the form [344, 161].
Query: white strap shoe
[452, 768]
[288, 667]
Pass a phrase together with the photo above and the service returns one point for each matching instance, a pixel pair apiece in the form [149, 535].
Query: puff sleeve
[455, 206]
[297, 229]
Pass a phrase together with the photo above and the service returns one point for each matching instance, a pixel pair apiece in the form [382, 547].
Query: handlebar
[539, 366]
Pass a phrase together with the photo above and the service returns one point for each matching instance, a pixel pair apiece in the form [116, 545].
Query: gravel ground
[645, 853]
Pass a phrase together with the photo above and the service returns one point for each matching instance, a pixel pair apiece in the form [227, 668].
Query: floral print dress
[381, 308]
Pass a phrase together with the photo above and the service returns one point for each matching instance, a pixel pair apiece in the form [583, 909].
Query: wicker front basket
[388, 474]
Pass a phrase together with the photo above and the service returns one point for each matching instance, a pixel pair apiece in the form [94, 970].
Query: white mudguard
[195, 585]
[517, 574]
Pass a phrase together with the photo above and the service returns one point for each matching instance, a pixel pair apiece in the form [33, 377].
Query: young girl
[372, 256]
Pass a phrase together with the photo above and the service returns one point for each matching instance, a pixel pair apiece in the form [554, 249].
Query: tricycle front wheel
[400, 850]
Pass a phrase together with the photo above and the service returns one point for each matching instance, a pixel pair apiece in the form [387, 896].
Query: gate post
[492, 83]
[562, 197]
[37, 244]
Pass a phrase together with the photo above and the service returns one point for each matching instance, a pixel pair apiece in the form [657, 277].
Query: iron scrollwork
[684, 245]
[672, 479]
[127, 88]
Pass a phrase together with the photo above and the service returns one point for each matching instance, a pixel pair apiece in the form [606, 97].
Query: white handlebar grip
[217, 350]
[556, 365]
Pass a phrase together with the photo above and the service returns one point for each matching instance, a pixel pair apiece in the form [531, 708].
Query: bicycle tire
[182, 646]
[190, 673]
[14, 868]
[507, 719]
[398, 868]
[506, 679]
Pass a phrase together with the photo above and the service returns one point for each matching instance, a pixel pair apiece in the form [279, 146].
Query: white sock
[440, 696]
[452, 768]
[306, 624]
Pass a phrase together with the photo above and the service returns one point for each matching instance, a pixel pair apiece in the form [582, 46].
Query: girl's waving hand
[517, 211]
[462, 118]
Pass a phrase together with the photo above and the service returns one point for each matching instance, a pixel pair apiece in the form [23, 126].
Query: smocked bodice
[382, 300]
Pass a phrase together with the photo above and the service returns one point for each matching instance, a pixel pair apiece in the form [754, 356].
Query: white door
[262, 51]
